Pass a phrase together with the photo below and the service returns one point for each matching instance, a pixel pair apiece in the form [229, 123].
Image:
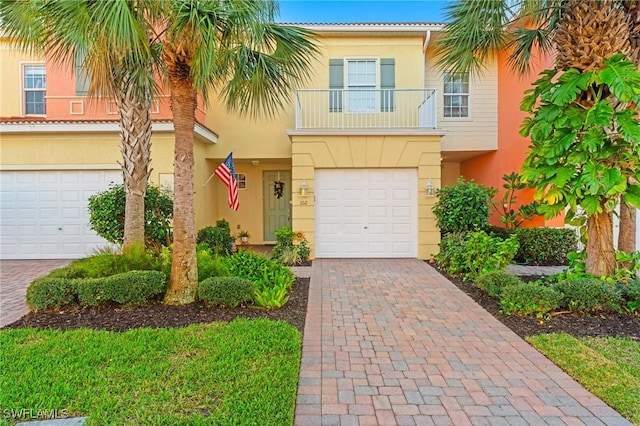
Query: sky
[355, 11]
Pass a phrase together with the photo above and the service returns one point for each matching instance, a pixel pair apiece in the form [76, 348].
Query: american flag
[227, 174]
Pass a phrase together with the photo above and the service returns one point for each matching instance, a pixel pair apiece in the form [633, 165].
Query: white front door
[366, 213]
[44, 214]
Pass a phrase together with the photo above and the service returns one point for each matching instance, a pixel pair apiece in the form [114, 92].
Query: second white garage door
[44, 215]
[366, 213]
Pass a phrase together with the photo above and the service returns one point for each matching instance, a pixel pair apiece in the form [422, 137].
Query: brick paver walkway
[15, 277]
[393, 342]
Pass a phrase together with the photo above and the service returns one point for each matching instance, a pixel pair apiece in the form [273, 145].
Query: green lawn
[608, 367]
[244, 372]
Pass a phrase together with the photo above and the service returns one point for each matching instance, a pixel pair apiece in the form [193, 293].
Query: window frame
[460, 94]
[24, 89]
[241, 178]
[349, 88]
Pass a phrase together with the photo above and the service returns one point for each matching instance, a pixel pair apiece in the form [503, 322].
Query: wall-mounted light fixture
[429, 190]
[303, 188]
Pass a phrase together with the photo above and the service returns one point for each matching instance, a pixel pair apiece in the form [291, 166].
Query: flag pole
[212, 174]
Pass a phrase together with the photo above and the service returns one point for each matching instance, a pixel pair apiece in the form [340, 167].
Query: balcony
[365, 109]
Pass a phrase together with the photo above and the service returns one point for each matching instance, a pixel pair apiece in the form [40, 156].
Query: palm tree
[111, 41]
[582, 33]
[235, 49]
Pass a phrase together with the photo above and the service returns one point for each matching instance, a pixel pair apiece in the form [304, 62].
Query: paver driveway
[15, 277]
[393, 342]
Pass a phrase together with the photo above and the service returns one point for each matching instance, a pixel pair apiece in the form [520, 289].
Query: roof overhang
[373, 29]
[9, 127]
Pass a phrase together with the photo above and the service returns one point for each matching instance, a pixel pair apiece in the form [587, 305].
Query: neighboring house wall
[489, 168]
[11, 67]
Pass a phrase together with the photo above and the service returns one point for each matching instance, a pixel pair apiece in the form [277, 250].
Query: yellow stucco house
[360, 149]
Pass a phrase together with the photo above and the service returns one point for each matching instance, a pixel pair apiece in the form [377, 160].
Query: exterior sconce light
[303, 188]
[429, 190]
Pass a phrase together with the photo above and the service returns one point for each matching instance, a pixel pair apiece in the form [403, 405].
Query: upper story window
[456, 94]
[362, 82]
[82, 77]
[34, 87]
[366, 85]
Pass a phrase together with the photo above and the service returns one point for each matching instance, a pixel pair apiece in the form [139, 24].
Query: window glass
[362, 85]
[456, 95]
[34, 89]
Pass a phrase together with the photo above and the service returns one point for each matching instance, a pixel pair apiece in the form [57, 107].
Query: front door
[277, 204]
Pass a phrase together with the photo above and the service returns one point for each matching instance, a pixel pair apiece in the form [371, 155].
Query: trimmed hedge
[225, 291]
[529, 299]
[545, 246]
[129, 288]
[494, 282]
[588, 295]
[50, 293]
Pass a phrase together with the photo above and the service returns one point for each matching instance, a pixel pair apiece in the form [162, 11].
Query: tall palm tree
[582, 33]
[232, 48]
[110, 38]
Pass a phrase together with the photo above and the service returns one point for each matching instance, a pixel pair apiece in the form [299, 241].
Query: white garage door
[44, 214]
[366, 213]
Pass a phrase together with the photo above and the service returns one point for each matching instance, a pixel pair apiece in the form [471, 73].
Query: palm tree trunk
[184, 268]
[601, 258]
[627, 232]
[135, 137]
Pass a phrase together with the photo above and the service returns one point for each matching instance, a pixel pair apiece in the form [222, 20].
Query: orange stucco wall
[489, 168]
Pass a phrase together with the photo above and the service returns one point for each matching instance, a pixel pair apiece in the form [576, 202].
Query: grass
[243, 372]
[607, 367]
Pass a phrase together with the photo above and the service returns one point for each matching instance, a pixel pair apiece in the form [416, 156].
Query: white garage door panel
[366, 213]
[43, 214]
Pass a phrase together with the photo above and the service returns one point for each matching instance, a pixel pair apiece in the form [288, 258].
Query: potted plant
[244, 236]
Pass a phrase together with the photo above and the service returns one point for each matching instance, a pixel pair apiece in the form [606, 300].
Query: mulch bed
[160, 316]
[577, 325]
[294, 312]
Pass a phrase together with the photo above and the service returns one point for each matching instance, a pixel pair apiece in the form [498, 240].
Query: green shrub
[545, 246]
[588, 295]
[50, 293]
[630, 294]
[287, 250]
[270, 278]
[256, 267]
[463, 207]
[128, 288]
[225, 291]
[474, 254]
[218, 239]
[529, 299]
[107, 208]
[210, 265]
[494, 282]
[135, 258]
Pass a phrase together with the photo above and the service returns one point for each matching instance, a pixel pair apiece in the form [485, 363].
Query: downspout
[425, 45]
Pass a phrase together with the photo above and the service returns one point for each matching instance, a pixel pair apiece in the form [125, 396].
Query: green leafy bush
[135, 258]
[588, 295]
[463, 207]
[529, 299]
[217, 238]
[225, 291]
[630, 294]
[210, 265]
[107, 208]
[545, 246]
[291, 247]
[270, 278]
[50, 293]
[475, 253]
[494, 282]
[128, 288]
